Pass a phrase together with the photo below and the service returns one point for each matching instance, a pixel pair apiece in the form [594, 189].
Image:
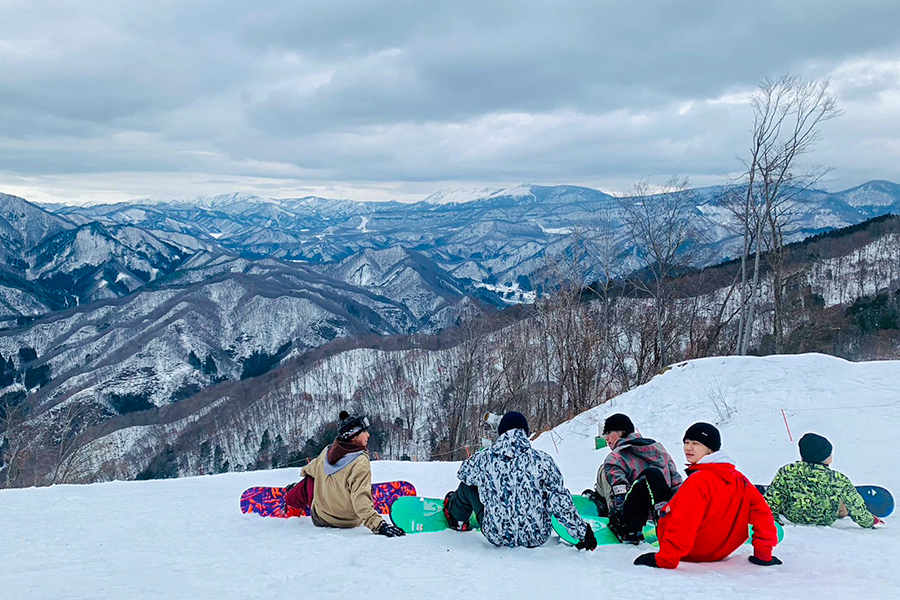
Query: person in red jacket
[707, 518]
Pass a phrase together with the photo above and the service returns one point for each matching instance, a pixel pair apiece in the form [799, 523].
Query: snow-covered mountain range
[483, 236]
[141, 305]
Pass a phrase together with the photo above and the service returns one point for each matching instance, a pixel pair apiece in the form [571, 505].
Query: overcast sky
[109, 100]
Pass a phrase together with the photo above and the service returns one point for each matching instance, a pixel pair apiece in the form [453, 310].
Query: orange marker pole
[786, 425]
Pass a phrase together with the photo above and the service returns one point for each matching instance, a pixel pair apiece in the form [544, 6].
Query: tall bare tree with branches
[787, 116]
[660, 227]
[14, 441]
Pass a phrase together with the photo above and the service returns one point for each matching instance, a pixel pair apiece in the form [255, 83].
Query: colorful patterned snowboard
[588, 511]
[879, 500]
[421, 515]
[269, 501]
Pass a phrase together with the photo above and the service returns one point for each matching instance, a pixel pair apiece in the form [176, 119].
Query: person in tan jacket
[342, 477]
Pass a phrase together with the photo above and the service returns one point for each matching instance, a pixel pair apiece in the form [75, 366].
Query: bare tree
[660, 227]
[14, 441]
[470, 381]
[788, 113]
[67, 439]
[574, 338]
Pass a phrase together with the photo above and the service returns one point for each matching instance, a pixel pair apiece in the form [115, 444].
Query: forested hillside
[575, 348]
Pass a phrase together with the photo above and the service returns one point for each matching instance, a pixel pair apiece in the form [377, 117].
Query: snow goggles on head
[356, 425]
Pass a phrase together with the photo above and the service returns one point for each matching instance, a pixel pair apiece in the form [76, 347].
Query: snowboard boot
[626, 532]
[631, 537]
[453, 523]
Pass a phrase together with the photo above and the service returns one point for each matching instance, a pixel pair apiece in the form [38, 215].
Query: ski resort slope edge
[187, 538]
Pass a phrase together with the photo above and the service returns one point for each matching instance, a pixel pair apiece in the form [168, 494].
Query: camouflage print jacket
[811, 494]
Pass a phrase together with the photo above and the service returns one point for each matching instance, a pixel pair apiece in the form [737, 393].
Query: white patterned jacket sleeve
[559, 502]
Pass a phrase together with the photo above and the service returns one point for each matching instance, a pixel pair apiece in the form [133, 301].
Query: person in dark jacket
[337, 484]
[708, 517]
[513, 489]
[810, 492]
[635, 480]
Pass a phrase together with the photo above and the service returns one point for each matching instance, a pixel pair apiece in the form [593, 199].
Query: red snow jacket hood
[708, 517]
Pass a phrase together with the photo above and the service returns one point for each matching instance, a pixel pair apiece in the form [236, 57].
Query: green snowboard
[414, 514]
[600, 525]
[588, 511]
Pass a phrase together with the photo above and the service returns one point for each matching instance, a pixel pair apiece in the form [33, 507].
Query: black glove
[589, 542]
[647, 560]
[764, 563]
[388, 530]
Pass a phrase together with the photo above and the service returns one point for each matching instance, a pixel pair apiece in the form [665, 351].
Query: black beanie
[814, 448]
[351, 425]
[704, 433]
[618, 422]
[513, 420]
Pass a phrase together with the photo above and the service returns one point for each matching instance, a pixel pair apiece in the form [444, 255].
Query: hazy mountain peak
[460, 195]
[30, 223]
[523, 189]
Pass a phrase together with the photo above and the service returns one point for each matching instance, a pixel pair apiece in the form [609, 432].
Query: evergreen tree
[37, 376]
[279, 453]
[205, 455]
[220, 465]
[209, 366]
[27, 354]
[163, 466]
[264, 455]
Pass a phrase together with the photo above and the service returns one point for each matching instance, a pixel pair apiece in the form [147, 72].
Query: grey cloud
[587, 58]
[410, 91]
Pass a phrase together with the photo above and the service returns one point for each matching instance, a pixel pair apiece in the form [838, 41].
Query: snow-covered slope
[187, 539]
[855, 405]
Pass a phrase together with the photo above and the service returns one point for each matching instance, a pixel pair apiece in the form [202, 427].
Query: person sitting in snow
[707, 518]
[337, 484]
[638, 476]
[810, 492]
[513, 489]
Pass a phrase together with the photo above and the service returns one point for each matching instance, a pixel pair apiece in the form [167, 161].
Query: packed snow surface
[186, 538]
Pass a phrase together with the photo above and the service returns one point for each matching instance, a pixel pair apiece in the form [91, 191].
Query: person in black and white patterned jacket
[513, 489]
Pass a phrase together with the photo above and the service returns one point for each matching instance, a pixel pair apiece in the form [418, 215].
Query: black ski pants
[647, 492]
[464, 502]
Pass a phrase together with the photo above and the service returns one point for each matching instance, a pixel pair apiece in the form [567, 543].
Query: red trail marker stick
[786, 425]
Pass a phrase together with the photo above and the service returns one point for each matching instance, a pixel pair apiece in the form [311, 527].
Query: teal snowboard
[588, 511]
[414, 514]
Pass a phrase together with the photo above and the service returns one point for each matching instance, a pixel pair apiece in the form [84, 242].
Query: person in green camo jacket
[810, 492]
